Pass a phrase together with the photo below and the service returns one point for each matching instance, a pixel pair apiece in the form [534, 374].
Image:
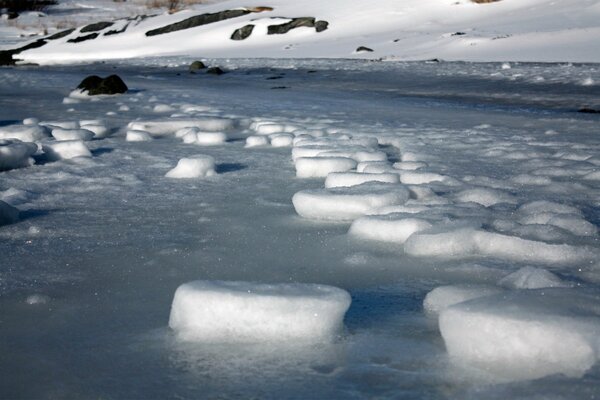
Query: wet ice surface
[499, 166]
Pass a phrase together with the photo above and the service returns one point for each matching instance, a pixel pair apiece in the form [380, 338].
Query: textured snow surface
[473, 267]
[216, 311]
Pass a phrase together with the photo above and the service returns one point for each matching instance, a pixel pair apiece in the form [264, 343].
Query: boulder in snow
[95, 85]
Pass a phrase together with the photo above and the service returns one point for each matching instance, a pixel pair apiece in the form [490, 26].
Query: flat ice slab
[525, 334]
[218, 311]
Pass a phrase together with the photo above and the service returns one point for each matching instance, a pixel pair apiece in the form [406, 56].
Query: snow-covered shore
[507, 30]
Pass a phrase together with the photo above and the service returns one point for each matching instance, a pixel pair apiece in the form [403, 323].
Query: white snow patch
[16, 154]
[531, 278]
[347, 179]
[385, 229]
[443, 297]
[320, 167]
[61, 134]
[138, 136]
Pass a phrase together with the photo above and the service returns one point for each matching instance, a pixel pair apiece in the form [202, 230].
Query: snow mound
[194, 167]
[385, 229]
[525, 334]
[256, 141]
[420, 178]
[443, 297]
[216, 311]
[320, 167]
[485, 196]
[281, 140]
[531, 278]
[8, 214]
[347, 179]
[72, 134]
[205, 138]
[172, 125]
[66, 149]
[99, 129]
[138, 136]
[347, 203]
[24, 133]
[469, 242]
[16, 154]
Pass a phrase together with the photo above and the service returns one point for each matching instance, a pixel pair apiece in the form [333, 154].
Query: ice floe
[218, 311]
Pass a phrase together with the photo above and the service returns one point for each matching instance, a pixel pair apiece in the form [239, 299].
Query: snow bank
[216, 311]
[66, 149]
[319, 167]
[24, 133]
[347, 203]
[8, 214]
[525, 334]
[347, 179]
[195, 167]
[443, 297]
[386, 228]
[468, 242]
[16, 154]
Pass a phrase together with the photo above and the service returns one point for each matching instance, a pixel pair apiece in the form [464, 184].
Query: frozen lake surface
[496, 159]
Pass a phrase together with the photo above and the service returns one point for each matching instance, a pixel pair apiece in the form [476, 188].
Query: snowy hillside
[508, 30]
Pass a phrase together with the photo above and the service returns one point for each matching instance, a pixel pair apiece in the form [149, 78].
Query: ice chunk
[385, 229]
[256, 141]
[205, 138]
[544, 206]
[216, 311]
[410, 165]
[347, 203]
[525, 334]
[194, 167]
[347, 179]
[24, 133]
[35, 299]
[16, 154]
[99, 129]
[171, 125]
[281, 140]
[467, 242]
[419, 178]
[31, 121]
[72, 134]
[485, 196]
[138, 136]
[531, 278]
[319, 167]
[443, 297]
[363, 165]
[163, 108]
[8, 214]
[65, 150]
[61, 124]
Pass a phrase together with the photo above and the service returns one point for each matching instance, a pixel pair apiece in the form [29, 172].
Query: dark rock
[587, 110]
[61, 34]
[458, 34]
[7, 56]
[98, 26]
[12, 15]
[198, 20]
[321, 26]
[433, 61]
[116, 31]
[288, 26]
[280, 87]
[215, 71]
[95, 85]
[363, 49]
[242, 33]
[271, 78]
[79, 39]
[196, 66]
